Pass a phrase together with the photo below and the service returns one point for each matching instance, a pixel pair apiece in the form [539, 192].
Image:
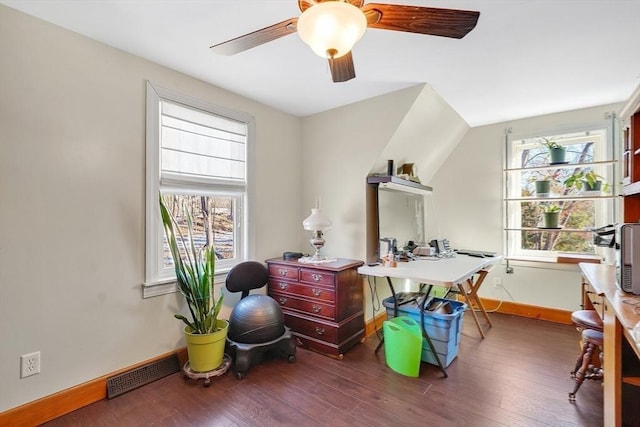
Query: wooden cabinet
[630, 124]
[612, 366]
[621, 353]
[323, 304]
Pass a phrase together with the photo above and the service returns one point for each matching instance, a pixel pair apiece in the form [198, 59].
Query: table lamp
[317, 223]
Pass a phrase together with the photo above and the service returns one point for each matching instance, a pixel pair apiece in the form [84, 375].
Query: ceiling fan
[332, 27]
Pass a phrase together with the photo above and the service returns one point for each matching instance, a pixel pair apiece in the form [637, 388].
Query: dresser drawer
[317, 277]
[283, 272]
[592, 300]
[312, 328]
[314, 308]
[321, 293]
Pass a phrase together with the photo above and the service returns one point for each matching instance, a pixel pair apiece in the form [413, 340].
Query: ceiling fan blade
[342, 68]
[306, 4]
[422, 20]
[256, 38]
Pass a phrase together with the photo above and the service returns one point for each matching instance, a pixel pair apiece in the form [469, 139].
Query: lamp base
[317, 242]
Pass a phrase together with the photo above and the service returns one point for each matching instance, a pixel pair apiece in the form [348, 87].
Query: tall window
[197, 156]
[580, 208]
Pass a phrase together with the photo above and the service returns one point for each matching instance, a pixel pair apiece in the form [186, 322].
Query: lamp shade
[317, 221]
[331, 28]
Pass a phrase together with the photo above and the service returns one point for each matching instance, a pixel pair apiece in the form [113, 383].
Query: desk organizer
[443, 329]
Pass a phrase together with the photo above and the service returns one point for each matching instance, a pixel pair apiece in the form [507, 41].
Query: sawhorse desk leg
[472, 297]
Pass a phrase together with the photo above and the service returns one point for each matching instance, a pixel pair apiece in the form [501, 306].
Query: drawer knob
[283, 285]
[595, 303]
[316, 292]
[319, 330]
[316, 308]
[282, 272]
[282, 301]
[316, 277]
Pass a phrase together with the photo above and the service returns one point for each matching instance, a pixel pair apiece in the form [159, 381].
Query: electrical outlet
[497, 282]
[29, 364]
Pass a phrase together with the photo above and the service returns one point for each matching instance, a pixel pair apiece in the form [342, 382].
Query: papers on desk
[474, 253]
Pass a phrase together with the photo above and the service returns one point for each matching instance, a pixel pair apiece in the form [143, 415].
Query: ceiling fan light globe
[331, 28]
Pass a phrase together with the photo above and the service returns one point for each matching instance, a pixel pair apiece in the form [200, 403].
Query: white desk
[458, 271]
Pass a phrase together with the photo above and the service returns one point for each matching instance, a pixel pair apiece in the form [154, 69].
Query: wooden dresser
[322, 303]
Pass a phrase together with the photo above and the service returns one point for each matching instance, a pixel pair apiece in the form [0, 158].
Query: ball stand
[246, 354]
[191, 374]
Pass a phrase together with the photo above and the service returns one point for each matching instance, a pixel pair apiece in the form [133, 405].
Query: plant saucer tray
[206, 376]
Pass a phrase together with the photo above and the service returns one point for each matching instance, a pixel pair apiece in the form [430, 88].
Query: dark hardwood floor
[517, 376]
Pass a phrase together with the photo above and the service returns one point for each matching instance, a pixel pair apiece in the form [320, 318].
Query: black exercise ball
[256, 319]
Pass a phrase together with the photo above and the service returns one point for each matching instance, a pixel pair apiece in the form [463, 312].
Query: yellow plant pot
[206, 351]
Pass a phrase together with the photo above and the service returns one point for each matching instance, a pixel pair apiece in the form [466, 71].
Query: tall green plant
[195, 273]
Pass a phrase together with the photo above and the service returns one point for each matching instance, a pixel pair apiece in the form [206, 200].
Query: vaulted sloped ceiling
[427, 134]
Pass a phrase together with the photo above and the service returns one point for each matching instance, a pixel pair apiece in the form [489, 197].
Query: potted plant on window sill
[590, 181]
[542, 183]
[557, 152]
[550, 216]
[205, 334]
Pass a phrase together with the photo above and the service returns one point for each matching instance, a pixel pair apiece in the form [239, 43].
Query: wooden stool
[587, 319]
[592, 340]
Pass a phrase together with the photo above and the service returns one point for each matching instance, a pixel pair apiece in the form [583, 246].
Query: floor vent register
[127, 381]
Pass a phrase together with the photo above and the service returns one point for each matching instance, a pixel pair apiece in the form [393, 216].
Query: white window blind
[200, 146]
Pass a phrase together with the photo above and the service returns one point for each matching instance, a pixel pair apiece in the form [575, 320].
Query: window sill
[560, 262]
[578, 258]
[160, 287]
[170, 285]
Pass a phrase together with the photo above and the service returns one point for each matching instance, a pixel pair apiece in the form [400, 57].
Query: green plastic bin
[403, 345]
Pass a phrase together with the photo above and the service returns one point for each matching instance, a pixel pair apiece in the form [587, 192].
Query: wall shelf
[561, 198]
[386, 182]
[631, 189]
[563, 166]
[551, 230]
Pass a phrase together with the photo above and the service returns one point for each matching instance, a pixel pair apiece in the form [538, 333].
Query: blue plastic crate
[443, 329]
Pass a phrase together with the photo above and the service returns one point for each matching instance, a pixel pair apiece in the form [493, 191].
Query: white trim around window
[233, 182]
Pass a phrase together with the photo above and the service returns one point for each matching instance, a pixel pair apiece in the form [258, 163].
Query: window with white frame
[580, 208]
[197, 160]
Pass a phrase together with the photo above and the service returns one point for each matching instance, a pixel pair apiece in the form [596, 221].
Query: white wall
[468, 200]
[340, 147]
[72, 144]
[343, 146]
